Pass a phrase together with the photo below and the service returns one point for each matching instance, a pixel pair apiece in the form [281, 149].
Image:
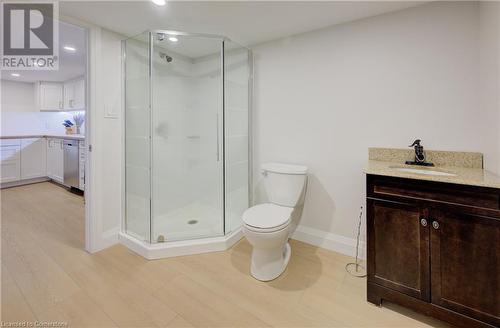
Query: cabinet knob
[423, 222]
[435, 225]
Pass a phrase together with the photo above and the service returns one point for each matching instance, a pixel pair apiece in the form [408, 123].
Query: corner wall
[489, 35]
[322, 98]
[105, 114]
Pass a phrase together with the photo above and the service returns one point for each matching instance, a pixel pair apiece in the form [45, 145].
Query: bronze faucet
[419, 155]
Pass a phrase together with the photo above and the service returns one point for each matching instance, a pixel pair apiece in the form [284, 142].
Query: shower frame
[152, 250]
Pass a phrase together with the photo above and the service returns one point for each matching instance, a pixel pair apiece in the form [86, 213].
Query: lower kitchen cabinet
[33, 158]
[435, 248]
[10, 165]
[25, 159]
[55, 159]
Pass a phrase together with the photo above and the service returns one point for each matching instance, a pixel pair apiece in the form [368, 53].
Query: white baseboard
[23, 182]
[330, 241]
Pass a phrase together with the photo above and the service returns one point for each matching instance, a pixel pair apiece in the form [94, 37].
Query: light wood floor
[46, 276]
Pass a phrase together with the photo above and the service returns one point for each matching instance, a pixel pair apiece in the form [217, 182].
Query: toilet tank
[284, 183]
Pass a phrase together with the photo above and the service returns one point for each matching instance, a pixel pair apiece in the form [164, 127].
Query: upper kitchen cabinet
[74, 94]
[50, 96]
[61, 96]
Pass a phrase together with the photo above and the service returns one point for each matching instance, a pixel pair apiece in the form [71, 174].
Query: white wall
[322, 98]
[17, 96]
[19, 114]
[106, 139]
[489, 35]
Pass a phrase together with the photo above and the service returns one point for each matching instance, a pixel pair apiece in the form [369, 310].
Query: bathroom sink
[425, 172]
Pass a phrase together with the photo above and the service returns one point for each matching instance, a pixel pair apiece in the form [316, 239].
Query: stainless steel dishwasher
[71, 162]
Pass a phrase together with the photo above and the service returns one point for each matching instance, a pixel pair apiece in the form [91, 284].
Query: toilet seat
[267, 217]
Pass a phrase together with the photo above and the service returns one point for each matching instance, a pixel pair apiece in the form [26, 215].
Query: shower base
[180, 248]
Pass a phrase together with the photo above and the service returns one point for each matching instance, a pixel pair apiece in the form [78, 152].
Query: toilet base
[270, 264]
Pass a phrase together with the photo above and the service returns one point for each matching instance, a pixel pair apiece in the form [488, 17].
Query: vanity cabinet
[400, 241]
[435, 247]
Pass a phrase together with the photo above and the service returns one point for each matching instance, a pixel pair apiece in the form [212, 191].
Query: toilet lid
[267, 216]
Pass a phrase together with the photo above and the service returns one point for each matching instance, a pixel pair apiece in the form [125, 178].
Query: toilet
[267, 227]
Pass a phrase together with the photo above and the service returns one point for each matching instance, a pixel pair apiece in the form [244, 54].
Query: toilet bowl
[267, 227]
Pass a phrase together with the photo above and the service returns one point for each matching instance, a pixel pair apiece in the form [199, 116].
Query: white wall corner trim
[329, 241]
[108, 238]
[103, 183]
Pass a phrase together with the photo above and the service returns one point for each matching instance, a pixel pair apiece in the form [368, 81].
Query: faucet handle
[415, 143]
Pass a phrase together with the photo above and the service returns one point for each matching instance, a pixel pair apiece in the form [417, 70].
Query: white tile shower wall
[187, 104]
[322, 98]
[186, 173]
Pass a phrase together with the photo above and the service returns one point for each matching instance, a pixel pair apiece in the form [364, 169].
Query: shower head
[166, 57]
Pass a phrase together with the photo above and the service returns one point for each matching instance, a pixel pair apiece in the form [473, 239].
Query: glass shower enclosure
[187, 117]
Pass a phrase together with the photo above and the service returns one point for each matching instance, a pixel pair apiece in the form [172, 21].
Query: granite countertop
[58, 136]
[467, 172]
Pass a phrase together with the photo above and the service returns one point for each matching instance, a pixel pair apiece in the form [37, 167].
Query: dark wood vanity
[434, 247]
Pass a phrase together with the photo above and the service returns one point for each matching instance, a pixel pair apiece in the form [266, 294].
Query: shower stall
[187, 132]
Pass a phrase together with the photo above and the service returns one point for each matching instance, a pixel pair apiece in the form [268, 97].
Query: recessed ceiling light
[15, 74]
[159, 2]
[173, 39]
[69, 48]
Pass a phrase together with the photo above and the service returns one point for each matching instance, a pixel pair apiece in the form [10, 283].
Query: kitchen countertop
[463, 175]
[57, 136]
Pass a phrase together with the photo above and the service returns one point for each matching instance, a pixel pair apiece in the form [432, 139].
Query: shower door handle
[218, 141]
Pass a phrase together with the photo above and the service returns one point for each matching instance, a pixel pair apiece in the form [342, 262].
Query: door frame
[90, 101]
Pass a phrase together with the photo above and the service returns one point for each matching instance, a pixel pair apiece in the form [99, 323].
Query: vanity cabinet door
[398, 247]
[465, 264]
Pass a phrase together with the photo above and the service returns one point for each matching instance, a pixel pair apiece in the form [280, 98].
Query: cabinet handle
[60, 105]
[423, 222]
[435, 225]
[71, 103]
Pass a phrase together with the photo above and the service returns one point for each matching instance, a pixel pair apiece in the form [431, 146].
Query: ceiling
[246, 22]
[71, 64]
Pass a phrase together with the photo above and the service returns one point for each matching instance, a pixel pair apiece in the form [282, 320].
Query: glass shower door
[237, 86]
[137, 137]
[186, 130]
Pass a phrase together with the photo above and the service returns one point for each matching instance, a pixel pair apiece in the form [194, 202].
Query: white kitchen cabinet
[74, 94]
[50, 96]
[55, 159]
[10, 161]
[33, 158]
